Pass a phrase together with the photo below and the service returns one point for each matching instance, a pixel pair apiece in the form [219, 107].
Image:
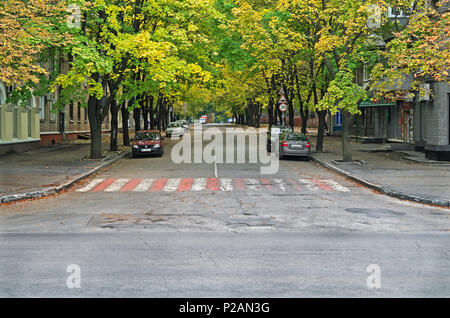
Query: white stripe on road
[199, 184]
[172, 184]
[144, 186]
[308, 184]
[336, 185]
[225, 184]
[280, 183]
[253, 184]
[117, 185]
[90, 185]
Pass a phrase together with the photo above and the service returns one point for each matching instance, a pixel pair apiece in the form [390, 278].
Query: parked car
[203, 119]
[175, 129]
[183, 123]
[147, 142]
[294, 144]
[273, 134]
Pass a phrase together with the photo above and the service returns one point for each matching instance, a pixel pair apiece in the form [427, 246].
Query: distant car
[294, 144]
[147, 142]
[203, 119]
[273, 134]
[175, 129]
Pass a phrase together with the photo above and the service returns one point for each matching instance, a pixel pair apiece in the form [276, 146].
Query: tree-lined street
[224, 148]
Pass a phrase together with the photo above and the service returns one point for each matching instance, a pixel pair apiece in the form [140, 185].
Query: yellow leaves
[327, 43]
[194, 68]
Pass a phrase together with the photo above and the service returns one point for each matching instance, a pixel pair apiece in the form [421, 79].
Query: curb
[382, 189]
[53, 190]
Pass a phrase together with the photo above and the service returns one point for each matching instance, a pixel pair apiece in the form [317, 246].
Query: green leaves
[343, 93]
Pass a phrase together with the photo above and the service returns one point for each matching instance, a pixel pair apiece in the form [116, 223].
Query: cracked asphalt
[266, 242]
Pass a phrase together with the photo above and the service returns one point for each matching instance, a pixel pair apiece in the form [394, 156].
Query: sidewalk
[399, 173]
[48, 170]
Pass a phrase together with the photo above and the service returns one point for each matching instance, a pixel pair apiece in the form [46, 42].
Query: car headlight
[135, 146]
[156, 146]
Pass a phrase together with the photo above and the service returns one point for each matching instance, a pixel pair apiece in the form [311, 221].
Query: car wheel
[280, 155]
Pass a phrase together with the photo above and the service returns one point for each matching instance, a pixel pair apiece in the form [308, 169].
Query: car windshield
[174, 125]
[147, 136]
[295, 137]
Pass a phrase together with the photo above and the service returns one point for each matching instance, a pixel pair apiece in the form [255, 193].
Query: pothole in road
[128, 220]
[375, 213]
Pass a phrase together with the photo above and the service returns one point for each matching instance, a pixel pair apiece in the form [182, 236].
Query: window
[79, 112]
[366, 72]
[71, 111]
[52, 64]
[52, 112]
[85, 114]
[42, 107]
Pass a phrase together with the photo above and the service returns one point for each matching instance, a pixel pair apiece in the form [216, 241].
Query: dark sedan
[147, 142]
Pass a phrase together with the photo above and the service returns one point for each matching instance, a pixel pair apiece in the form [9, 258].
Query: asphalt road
[150, 227]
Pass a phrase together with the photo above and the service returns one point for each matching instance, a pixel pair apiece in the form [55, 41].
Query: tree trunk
[159, 109]
[347, 120]
[270, 112]
[151, 112]
[125, 116]
[114, 126]
[144, 106]
[321, 114]
[137, 119]
[95, 127]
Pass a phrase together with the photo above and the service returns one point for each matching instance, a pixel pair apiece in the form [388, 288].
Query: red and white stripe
[210, 184]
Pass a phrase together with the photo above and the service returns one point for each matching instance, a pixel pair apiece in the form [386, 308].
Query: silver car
[294, 144]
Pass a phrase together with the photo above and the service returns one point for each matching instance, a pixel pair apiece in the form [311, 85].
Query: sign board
[282, 100]
[283, 107]
[338, 125]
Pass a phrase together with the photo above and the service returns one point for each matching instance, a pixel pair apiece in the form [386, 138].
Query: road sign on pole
[283, 107]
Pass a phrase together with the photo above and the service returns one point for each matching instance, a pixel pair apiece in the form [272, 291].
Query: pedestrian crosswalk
[210, 184]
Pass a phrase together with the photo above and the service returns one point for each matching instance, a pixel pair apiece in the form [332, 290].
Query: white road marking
[172, 184]
[199, 184]
[90, 185]
[308, 184]
[336, 185]
[225, 184]
[215, 169]
[253, 184]
[280, 183]
[144, 186]
[117, 185]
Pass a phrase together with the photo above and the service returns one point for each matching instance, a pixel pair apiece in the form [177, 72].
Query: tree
[418, 47]
[139, 46]
[28, 27]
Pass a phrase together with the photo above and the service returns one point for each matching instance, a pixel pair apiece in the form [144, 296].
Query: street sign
[282, 100]
[283, 107]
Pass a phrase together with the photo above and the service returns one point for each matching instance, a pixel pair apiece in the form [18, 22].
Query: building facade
[19, 125]
[421, 122]
[41, 124]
